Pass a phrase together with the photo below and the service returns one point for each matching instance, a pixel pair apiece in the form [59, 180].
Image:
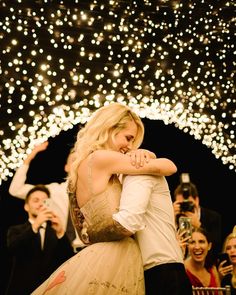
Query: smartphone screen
[222, 257]
[48, 203]
[185, 226]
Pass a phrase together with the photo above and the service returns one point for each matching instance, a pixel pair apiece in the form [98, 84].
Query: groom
[146, 210]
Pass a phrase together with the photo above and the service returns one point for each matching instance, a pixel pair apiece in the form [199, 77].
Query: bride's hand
[140, 156]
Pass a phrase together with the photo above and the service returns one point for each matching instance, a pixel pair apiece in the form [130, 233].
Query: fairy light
[169, 60]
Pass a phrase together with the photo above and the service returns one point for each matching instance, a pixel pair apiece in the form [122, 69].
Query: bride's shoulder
[104, 158]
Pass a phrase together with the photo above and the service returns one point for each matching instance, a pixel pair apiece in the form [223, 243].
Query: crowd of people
[125, 237]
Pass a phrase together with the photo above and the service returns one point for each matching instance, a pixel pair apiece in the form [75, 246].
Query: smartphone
[222, 257]
[48, 203]
[185, 226]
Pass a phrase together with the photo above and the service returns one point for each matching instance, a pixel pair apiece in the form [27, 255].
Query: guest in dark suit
[38, 246]
[187, 203]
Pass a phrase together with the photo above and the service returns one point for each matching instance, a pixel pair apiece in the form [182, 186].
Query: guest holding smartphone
[227, 267]
[38, 246]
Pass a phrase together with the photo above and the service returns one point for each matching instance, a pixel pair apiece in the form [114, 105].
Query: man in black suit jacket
[187, 203]
[36, 247]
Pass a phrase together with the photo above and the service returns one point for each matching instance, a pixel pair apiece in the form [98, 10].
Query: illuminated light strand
[61, 63]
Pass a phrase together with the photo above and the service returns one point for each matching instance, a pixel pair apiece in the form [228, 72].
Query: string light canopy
[169, 60]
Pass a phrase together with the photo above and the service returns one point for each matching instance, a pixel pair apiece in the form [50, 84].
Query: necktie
[42, 235]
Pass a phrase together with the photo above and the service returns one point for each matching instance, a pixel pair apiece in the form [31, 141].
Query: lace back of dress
[77, 216]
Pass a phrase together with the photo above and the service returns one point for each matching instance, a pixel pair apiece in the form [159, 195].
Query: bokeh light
[169, 60]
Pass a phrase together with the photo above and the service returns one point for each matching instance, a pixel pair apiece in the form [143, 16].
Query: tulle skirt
[109, 268]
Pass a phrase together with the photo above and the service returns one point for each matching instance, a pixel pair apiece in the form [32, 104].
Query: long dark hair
[210, 261]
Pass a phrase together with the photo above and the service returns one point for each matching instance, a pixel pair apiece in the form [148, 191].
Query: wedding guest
[200, 271]
[19, 187]
[38, 246]
[226, 269]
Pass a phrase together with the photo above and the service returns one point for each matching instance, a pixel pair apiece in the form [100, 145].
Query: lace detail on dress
[106, 232]
[98, 212]
[95, 217]
[78, 219]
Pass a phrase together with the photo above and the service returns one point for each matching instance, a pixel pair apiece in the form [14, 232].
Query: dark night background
[215, 182]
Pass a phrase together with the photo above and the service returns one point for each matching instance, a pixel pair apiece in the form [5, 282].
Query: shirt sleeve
[18, 188]
[134, 201]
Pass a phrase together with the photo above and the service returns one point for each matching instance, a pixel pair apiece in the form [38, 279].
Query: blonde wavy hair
[105, 122]
[232, 235]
